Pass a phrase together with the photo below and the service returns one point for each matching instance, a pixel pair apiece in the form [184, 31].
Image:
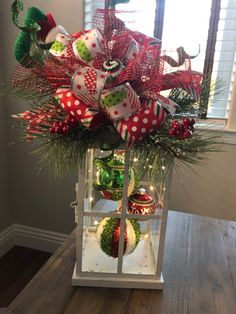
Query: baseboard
[6, 240]
[34, 238]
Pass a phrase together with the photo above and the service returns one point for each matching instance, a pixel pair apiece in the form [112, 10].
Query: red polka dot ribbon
[129, 95]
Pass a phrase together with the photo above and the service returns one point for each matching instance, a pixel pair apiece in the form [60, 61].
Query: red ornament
[108, 236]
[141, 203]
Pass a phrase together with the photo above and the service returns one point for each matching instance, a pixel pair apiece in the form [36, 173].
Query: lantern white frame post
[79, 215]
[123, 211]
[167, 187]
[121, 276]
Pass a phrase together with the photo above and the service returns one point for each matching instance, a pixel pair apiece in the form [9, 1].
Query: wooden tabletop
[199, 271]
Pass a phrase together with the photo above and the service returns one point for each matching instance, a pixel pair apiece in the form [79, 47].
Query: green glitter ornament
[108, 235]
[110, 176]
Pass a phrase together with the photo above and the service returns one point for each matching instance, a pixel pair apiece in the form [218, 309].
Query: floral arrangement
[105, 86]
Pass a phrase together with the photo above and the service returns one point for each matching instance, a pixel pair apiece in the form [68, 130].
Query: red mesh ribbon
[135, 109]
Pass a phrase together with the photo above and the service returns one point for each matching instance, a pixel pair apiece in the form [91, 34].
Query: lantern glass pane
[104, 179]
[143, 260]
[94, 259]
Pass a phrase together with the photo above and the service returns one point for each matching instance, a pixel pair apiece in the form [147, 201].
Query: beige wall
[35, 201]
[211, 191]
[5, 214]
[32, 199]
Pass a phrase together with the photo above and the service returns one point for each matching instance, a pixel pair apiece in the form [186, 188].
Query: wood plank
[23, 278]
[98, 300]
[210, 285]
[175, 265]
[17, 267]
[9, 268]
[4, 310]
[199, 272]
[51, 288]
[228, 230]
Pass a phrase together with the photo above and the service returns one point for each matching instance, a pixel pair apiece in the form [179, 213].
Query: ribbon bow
[115, 73]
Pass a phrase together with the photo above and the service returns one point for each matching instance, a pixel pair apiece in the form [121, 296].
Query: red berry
[186, 134]
[61, 124]
[57, 129]
[73, 122]
[186, 121]
[67, 119]
[171, 132]
[65, 129]
[52, 129]
[176, 125]
[178, 133]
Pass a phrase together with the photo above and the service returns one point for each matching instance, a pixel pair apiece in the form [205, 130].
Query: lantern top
[141, 197]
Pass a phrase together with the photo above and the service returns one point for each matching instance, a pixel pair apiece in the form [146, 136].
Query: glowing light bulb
[135, 159]
[151, 187]
[150, 166]
[146, 236]
[163, 167]
[91, 199]
[96, 222]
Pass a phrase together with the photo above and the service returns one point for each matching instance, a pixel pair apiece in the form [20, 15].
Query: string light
[151, 187]
[91, 199]
[135, 159]
[150, 166]
[163, 167]
[96, 222]
[146, 236]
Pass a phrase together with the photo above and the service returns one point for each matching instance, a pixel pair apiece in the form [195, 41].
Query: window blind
[186, 23]
[90, 7]
[224, 59]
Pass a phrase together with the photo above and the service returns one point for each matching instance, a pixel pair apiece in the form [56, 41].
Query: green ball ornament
[110, 176]
[108, 235]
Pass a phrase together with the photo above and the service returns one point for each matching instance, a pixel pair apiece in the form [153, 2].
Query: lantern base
[117, 282]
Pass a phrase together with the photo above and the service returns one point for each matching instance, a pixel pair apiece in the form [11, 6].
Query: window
[190, 23]
[224, 59]
[89, 7]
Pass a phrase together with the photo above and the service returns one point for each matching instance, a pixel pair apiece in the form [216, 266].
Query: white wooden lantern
[142, 267]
